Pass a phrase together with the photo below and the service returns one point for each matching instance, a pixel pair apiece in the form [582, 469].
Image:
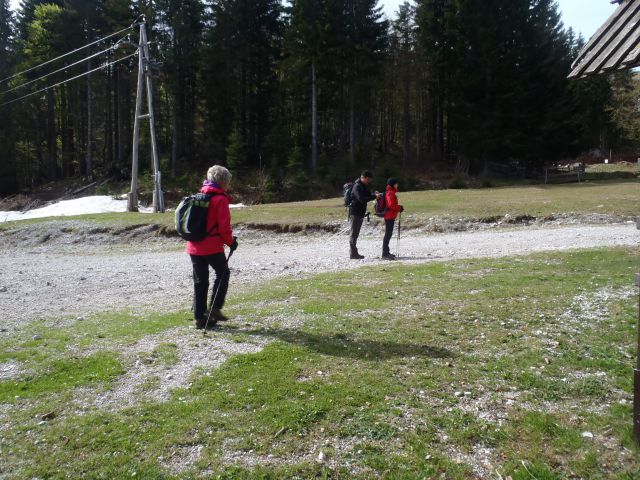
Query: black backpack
[347, 193]
[191, 217]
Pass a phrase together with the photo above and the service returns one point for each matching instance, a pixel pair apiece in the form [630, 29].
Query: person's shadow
[342, 345]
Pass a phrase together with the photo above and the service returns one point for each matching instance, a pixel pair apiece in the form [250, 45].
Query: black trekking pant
[388, 233]
[356, 225]
[201, 264]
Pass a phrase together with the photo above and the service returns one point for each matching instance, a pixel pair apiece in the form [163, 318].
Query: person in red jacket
[393, 209]
[210, 251]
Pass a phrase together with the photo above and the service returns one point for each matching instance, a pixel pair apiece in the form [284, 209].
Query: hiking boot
[202, 322]
[388, 256]
[356, 256]
[218, 316]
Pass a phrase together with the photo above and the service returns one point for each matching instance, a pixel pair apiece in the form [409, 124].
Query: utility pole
[132, 200]
[144, 71]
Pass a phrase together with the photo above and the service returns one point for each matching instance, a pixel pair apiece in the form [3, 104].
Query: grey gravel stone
[155, 276]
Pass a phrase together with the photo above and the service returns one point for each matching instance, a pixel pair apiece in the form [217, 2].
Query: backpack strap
[209, 197]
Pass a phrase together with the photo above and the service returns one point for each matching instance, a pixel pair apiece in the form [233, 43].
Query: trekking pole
[215, 297]
[398, 242]
[340, 232]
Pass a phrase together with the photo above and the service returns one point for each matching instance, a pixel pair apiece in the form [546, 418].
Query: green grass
[391, 372]
[606, 197]
[62, 374]
[624, 167]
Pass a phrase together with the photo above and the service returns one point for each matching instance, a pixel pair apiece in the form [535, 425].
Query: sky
[584, 16]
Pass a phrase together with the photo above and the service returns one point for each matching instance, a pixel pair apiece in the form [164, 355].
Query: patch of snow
[78, 206]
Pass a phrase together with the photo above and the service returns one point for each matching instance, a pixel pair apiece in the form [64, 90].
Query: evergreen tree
[320, 84]
[365, 41]
[26, 14]
[8, 171]
[240, 72]
[439, 39]
[237, 153]
[623, 108]
[44, 41]
[307, 41]
[180, 28]
[402, 64]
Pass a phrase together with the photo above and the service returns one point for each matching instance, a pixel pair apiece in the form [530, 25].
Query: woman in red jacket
[210, 251]
[390, 216]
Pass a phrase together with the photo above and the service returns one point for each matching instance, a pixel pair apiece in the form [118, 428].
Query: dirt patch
[292, 228]
[181, 458]
[332, 452]
[20, 203]
[480, 458]
[10, 370]
[147, 379]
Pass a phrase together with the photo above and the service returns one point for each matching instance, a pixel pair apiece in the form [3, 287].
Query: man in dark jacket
[360, 196]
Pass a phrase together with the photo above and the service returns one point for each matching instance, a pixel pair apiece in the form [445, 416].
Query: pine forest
[297, 97]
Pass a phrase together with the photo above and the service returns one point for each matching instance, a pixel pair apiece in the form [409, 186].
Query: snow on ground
[78, 206]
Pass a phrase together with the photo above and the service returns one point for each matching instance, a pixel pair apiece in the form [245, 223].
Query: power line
[102, 67]
[69, 53]
[113, 47]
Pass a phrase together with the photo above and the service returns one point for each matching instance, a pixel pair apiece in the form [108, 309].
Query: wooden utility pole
[143, 71]
[132, 201]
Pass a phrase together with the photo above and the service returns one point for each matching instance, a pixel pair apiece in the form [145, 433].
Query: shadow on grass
[419, 259]
[341, 345]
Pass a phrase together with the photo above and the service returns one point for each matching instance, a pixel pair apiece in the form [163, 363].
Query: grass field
[516, 367]
[625, 167]
[610, 197]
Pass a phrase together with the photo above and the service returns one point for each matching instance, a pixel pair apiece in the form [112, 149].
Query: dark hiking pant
[356, 225]
[201, 264]
[388, 233]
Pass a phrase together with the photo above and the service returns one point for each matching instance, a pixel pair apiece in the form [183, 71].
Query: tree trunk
[405, 121]
[314, 119]
[52, 137]
[352, 128]
[89, 157]
[117, 112]
[419, 100]
[64, 128]
[109, 122]
[174, 143]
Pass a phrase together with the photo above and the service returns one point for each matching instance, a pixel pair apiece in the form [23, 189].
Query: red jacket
[392, 204]
[220, 218]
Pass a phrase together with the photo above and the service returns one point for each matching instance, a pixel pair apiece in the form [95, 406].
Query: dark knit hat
[392, 182]
[367, 174]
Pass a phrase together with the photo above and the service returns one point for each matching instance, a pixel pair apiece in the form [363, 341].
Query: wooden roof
[615, 46]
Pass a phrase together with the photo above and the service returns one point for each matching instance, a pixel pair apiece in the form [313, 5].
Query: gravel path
[50, 282]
